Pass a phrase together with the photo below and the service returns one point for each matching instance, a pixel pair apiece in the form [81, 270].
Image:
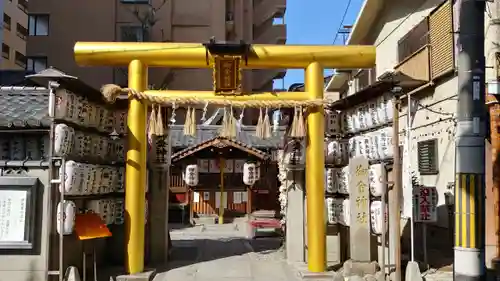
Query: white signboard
[196, 197]
[13, 215]
[425, 203]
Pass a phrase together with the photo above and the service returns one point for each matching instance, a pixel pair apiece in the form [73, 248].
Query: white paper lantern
[349, 121]
[332, 122]
[377, 179]
[381, 110]
[374, 151]
[343, 180]
[346, 212]
[361, 112]
[119, 211]
[331, 181]
[377, 217]
[72, 178]
[110, 219]
[249, 173]
[371, 111]
[385, 143]
[120, 121]
[63, 140]
[86, 188]
[389, 108]
[294, 156]
[355, 120]
[330, 210]
[333, 152]
[120, 185]
[66, 212]
[100, 207]
[191, 175]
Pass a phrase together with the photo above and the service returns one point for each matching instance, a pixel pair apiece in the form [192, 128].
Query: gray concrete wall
[31, 265]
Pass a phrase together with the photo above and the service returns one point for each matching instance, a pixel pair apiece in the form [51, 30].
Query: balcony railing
[416, 66]
[362, 79]
[268, 9]
[273, 34]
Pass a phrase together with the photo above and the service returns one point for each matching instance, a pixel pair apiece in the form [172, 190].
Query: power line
[342, 20]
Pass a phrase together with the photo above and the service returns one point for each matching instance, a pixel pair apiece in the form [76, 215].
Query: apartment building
[58, 25]
[13, 34]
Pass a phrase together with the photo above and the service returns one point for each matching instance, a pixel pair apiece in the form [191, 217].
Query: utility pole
[470, 149]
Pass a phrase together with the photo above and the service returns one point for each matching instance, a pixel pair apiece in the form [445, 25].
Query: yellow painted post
[135, 176]
[221, 198]
[315, 163]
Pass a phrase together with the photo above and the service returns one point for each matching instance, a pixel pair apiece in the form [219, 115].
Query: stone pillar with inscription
[359, 231]
[360, 236]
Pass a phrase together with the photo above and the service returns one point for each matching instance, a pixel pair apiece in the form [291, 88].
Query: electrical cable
[342, 20]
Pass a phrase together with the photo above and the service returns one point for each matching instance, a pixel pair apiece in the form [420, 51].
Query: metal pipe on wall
[395, 194]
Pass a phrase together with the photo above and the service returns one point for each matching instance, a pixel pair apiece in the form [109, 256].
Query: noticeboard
[425, 204]
[17, 212]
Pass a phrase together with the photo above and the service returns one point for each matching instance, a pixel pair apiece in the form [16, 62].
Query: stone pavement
[221, 252]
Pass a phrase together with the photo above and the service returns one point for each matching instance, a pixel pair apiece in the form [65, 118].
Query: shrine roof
[220, 143]
[208, 132]
[24, 107]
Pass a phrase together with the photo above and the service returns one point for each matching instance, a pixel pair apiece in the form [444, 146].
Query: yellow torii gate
[140, 56]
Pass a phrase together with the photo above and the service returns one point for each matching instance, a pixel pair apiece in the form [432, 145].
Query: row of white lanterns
[371, 114]
[79, 110]
[111, 211]
[251, 174]
[339, 212]
[337, 179]
[71, 143]
[86, 179]
[375, 145]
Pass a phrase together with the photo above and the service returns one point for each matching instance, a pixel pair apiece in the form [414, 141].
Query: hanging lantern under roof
[294, 156]
[249, 173]
[191, 175]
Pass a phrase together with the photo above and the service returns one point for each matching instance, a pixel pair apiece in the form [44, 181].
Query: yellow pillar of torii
[141, 55]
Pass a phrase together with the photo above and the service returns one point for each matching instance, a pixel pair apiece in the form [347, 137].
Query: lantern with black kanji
[249, 173]
[191, 175]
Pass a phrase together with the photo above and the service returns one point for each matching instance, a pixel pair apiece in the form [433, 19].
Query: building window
[23, 5]
[38, 25]
[7, 21]
[5, 51]
[20, 60]
[133, 34]
[22, 32]
[36, 64]
[412, 41]
[427, 157]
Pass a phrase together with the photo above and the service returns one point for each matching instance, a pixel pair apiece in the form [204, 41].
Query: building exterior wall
[12, 38]
[177, 21]
[434, 117]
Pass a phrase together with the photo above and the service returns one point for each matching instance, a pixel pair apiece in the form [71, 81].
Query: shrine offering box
[17, 212]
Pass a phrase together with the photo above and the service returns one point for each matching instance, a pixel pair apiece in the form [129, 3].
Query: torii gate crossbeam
[141, 55]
